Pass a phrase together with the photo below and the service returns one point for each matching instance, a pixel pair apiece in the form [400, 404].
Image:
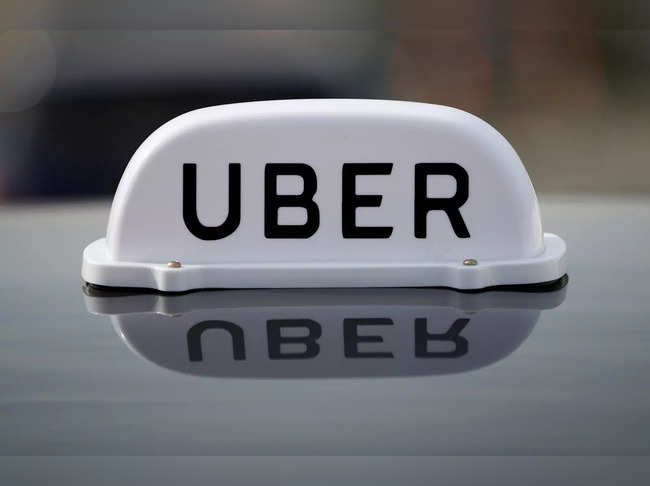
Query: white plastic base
[99, 269]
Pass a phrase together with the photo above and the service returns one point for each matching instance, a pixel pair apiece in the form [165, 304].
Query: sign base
[100, 269]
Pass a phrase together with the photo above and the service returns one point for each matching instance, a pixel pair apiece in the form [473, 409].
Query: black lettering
[195, 349]
[273, 201]
[276, 339]
[351, 338]
[351, 201]
[422, 337]
[190, 215]
[450, 206]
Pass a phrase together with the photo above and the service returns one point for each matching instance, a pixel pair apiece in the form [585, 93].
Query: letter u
[190, 215]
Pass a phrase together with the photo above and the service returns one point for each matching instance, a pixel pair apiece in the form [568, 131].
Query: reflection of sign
[309, 341]
[324, 193]
[320, 333]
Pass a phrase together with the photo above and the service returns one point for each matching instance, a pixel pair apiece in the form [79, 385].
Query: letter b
[273, 201]
[276, 339]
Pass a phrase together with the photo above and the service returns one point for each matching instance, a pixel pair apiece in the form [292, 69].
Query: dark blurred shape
[80, 148]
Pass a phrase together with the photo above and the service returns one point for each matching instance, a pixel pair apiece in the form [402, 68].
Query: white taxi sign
[324, 193]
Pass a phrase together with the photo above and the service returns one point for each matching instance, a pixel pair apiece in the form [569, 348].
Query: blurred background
[83, 83]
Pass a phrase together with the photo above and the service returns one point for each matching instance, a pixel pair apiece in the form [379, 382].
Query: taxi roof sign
[324, 193]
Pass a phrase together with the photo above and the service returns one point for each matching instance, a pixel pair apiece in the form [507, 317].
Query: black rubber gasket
[94, 290]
